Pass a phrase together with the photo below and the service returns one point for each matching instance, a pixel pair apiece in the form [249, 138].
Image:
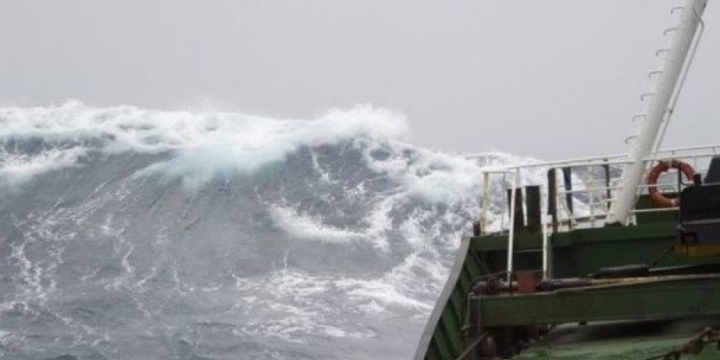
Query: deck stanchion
[511, 233]
[545, 245]
[532, 206]
[552, 198]
[485, 203]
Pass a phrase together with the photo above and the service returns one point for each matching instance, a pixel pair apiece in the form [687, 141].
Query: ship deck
[623, 341]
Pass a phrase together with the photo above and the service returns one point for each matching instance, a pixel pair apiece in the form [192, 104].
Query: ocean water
[135, 234]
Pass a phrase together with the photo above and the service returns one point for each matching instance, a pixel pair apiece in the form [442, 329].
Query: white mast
[657, 110]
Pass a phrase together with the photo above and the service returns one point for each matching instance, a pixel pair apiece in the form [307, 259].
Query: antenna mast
[658, 109]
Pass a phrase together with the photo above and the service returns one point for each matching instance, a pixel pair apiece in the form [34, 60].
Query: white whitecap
[203, 144]
[306, 227]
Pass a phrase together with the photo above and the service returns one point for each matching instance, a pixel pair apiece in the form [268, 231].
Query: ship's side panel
[454, 325]
[443, 335]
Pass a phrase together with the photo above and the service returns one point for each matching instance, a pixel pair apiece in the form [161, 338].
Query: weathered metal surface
[534, 210]
[698, 251]
[443, 337]
[670, 297]
[582, 252]
[525, 241]
[622, 341]
[574, 254]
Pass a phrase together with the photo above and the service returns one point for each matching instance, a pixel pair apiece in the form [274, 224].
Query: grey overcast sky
[546, 78]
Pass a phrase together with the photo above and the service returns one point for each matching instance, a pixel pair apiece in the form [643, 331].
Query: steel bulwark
[443, 337]
[666, 298]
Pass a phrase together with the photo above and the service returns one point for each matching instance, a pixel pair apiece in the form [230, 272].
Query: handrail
[602, 159]
[511, 234]
[593, 209]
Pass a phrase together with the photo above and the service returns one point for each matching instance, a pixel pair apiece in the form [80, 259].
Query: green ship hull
[613, 257]
[628, 316]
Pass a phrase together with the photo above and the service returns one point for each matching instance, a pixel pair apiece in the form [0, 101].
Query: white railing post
[511, 232]
[504, 204]
[485, 203]
[591, 194]
[545, 241]
[597, 216]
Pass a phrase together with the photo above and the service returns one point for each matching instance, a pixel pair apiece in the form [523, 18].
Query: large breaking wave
[136, 234]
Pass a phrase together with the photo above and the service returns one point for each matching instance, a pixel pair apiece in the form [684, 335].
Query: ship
[598, 258]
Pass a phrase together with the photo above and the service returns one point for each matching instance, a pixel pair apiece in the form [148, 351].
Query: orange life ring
[664, 165]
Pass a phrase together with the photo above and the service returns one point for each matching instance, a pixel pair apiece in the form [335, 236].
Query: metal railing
[581, 199]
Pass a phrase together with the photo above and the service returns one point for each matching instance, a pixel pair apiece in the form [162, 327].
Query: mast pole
[657, 110]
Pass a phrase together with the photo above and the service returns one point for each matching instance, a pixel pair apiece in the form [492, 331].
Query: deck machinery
[613, 257]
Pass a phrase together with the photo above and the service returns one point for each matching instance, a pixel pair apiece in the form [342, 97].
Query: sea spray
[136, 234]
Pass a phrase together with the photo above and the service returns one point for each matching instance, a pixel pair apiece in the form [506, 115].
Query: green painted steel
[443, 338]
[674, 297]
[584, 251]
[621, 341]
[576, 253]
